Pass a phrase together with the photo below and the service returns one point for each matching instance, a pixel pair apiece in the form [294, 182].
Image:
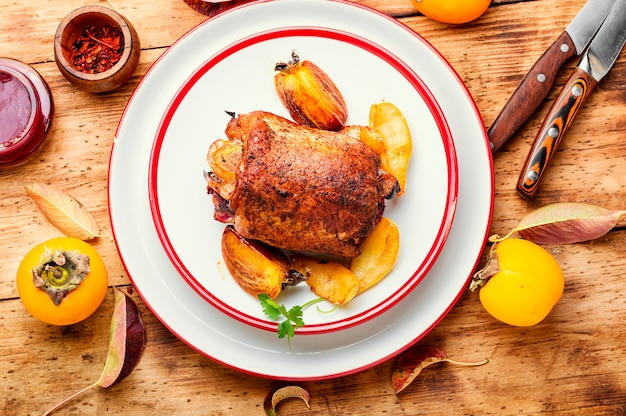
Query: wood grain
[573, 363]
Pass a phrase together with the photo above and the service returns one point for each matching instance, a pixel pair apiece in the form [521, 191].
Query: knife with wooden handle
[594, 65]
[536, 84]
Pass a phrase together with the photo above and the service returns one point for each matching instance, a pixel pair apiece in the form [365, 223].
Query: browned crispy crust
[305, 189]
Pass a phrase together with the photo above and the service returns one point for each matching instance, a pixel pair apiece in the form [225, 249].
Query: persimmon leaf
[565, 223]
[64, 211]
[213, 8]
[275, 396]
[126, 341]
[411, 363]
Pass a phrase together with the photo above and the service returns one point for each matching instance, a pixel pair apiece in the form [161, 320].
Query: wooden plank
[573, 363]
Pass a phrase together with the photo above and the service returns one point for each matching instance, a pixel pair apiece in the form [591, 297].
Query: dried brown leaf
[277, 395]
[64, 212]
[565, 223]
[411, 363]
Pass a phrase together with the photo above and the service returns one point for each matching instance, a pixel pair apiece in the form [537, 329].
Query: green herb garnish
[293, 317]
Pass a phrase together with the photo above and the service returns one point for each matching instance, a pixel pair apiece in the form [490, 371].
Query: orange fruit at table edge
[77, 304]
[452, 11]
[527, 284]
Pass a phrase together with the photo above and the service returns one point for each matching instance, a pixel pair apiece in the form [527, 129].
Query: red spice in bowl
[96, 48]
[25, 111]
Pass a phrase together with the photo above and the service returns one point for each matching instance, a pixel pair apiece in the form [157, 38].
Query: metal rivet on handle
[553, 132]
[532, 175]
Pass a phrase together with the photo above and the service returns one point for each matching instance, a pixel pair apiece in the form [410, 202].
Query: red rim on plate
[415, 82]
[241, 347]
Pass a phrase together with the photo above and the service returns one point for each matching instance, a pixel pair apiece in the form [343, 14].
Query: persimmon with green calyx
[521, 282]
[62, 281]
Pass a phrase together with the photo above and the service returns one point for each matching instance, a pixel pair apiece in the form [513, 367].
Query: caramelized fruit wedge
[224, 189]
[367, 135]
[309, 95]
[328, 279]
[224, 156]
[389, 121]
[379, 252]
[257, 267]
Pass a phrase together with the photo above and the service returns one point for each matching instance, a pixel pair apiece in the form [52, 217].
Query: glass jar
[26, 109]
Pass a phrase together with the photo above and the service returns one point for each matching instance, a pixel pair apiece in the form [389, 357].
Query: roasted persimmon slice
[328, 279]
[224, 156]
[379, 252]
[389, 121]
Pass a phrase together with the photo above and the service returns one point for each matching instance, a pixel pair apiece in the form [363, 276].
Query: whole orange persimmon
[521, 282]
[62, 281]
[452, 11]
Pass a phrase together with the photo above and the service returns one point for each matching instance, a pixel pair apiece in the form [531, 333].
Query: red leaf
[126, 342]
[213, 8]
[565, 223]
[412, 362]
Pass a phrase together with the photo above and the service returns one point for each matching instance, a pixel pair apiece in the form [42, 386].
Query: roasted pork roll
[300, 188]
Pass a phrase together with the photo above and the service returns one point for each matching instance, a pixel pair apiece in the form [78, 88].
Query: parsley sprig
[293, 316]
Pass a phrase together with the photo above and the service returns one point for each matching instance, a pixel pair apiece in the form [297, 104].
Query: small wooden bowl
[87, 17]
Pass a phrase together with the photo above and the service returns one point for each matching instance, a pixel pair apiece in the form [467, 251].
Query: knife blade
[594, 65]
[536, 84]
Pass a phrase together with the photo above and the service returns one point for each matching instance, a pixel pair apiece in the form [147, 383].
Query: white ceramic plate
[239, 77]
[239, 345]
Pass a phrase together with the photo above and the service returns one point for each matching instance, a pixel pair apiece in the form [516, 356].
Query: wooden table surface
[574, 362]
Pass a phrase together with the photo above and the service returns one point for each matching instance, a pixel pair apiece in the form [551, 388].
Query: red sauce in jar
[25, 111]
[16, 108]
